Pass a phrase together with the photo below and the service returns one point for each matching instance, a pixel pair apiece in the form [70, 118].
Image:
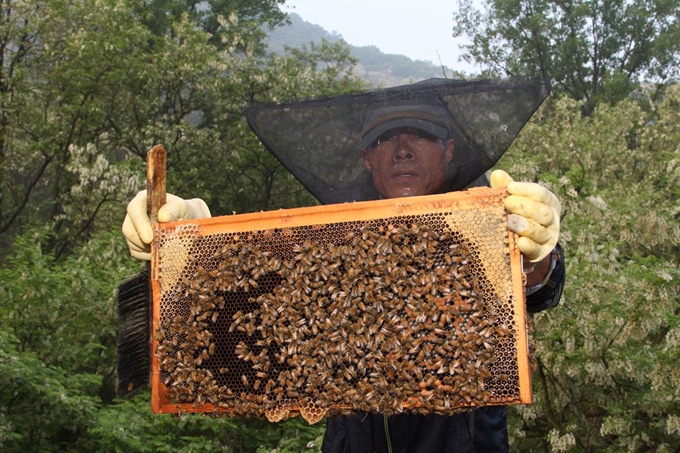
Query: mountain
[377, 67]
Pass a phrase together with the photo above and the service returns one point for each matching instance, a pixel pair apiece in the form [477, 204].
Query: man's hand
[137, 226]
[534, 215]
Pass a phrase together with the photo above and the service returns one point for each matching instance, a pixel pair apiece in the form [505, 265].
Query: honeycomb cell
[312, 413]
[277, 413]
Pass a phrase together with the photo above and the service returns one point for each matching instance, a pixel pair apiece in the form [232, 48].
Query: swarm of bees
[382, 316]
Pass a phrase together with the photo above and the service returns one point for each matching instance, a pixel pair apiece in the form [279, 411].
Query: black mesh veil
[319, 140]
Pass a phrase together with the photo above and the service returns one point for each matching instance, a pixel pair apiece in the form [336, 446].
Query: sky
[419, 29]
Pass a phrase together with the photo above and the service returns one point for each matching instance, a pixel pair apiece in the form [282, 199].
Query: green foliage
[57, 340]
[594, 51]
[43, 407]
[63, 312]
[161, 15]
[130, 426]
[607, 359]
[61, 88]
[295, 436]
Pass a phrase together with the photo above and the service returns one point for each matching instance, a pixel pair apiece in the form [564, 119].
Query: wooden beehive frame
[168, 267]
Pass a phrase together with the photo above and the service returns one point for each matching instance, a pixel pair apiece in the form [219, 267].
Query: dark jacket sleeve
[548, 296]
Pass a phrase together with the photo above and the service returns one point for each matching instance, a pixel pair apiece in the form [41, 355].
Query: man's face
[408, 163]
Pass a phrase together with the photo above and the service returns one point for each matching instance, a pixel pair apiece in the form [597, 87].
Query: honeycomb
[411, 304]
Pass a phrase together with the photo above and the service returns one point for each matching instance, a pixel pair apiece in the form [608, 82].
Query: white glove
[534, 215]
[137, 226]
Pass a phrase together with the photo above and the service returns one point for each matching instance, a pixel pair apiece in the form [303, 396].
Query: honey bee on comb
[390, 315]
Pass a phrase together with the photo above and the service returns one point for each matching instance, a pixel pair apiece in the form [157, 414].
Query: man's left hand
[534, 215]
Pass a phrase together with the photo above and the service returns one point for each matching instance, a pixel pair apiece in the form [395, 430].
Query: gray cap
[429, 115]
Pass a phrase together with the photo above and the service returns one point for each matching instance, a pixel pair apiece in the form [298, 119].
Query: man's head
[406, 146]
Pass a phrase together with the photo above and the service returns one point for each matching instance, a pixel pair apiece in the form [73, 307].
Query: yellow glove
[534, 215]
[137, 226]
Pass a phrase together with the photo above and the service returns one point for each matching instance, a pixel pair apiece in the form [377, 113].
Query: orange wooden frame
[319, 215]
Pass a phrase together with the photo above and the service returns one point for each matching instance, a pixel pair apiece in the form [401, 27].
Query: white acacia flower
[597, 202]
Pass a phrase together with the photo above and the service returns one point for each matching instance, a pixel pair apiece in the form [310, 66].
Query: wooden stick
[155, 181]
[156, 161]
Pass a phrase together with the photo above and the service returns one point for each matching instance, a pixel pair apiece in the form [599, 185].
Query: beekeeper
[432, 137]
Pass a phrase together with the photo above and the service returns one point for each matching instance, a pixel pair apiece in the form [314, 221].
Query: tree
[62, 73]
[57, 340]
[208, 15]
[597, 50]
[42, 407]
[606, 362]
[81, 90]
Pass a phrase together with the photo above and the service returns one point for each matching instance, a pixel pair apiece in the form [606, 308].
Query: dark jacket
[483, 430]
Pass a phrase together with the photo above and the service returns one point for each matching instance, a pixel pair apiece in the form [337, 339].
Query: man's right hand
[137, 226]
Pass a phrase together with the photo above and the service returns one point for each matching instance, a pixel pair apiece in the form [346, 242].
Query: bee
[410, 269]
